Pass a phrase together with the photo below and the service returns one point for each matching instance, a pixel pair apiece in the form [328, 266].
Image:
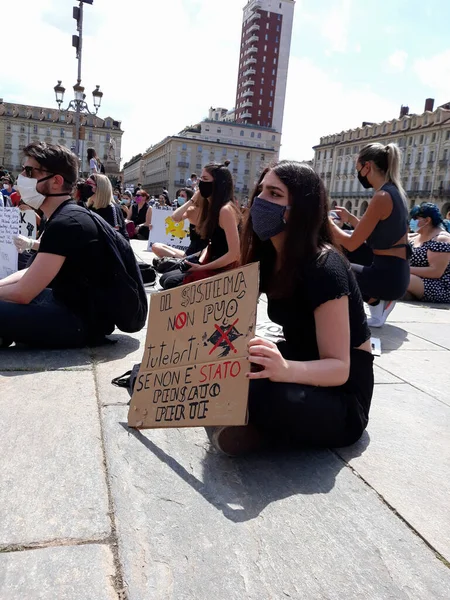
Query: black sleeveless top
[197, 243]
[218, 245]
[138, 214]
[392, 229]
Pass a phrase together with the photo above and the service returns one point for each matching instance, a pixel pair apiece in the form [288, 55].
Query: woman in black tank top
[217, 223]
[378, 247]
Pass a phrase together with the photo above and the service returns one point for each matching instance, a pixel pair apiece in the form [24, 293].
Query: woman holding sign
[217, 224]
[314, 388]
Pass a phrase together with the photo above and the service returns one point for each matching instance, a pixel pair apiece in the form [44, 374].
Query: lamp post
[78, 104]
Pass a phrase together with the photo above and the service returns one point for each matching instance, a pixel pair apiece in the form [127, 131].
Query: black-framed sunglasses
[29, 171]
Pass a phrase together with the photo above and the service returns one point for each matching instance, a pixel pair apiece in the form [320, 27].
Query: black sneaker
[5, 343]
[235, 441]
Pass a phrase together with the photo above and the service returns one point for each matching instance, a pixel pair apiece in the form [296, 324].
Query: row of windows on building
[51, 117]
[378, 129]
[349, 166]
[420, 140]
[264, 58]
[225, 152]
[412, 185]
[250, 30]
[268, 16]
[250, 93]
[53, 131]
[260, 104]
[266, 39]
[272, 83]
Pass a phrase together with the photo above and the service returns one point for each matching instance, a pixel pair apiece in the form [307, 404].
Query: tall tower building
[263, 62]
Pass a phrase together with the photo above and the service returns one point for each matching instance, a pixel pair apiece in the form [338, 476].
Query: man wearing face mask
[70, 259]
[6, 191]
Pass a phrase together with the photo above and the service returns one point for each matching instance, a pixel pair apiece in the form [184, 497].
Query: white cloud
[435, 73]
[162, 65]
[318, 105]
[336, 26]
[397, 61]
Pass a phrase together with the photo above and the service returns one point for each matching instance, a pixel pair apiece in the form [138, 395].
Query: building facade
[424, 140]
[170, 162]
[22, 124]
[263, 62]
[132, 173]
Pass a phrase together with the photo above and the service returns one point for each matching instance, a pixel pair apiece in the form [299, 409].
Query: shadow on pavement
[242, 488]
[120, 345]
[356, 449]
[391, 337]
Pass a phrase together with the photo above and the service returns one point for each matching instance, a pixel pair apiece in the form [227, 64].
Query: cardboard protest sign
[193, 373]
[165, 231]
[28, 226]
[9, 226]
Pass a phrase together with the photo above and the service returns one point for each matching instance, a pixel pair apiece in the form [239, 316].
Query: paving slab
[398, 337]
[428, 371]
[63, 573]
[114, 360]
[52, 476]
[419, 312]
[438, 333]
[194, 524]
[382, 377]
[405, 456]
[23, 358]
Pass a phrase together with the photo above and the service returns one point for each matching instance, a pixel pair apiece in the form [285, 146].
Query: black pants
[382, 277]
[175, 278]
[290, 414]
[43, 323]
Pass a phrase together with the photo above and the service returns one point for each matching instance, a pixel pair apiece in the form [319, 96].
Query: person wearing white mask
[50, 303]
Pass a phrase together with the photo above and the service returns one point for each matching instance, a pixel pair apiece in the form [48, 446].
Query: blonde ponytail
[393, 170]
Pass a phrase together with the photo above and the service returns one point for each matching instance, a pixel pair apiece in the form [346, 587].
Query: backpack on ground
[122, 294]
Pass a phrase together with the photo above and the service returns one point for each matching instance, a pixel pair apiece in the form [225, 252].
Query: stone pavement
[91, 510]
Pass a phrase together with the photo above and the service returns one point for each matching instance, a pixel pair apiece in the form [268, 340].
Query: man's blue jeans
[43, 323]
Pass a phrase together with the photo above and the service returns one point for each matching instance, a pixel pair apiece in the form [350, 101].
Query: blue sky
[161, 65]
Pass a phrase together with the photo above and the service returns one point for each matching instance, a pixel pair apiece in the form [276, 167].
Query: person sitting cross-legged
[51, 302]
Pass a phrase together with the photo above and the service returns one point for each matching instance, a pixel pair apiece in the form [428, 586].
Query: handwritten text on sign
[9, 226]
[194, 365]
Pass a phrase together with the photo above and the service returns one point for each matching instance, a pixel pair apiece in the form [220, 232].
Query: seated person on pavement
[50, 303]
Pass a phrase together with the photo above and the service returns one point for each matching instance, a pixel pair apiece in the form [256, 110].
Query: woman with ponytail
[381, 235]
[217, 224]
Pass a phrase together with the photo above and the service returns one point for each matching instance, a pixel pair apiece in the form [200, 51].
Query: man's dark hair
[194, 175]
[55, 159]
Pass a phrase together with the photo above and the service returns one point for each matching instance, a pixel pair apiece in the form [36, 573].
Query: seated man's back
[71, 232]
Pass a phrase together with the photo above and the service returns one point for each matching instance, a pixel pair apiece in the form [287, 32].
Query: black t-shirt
[71, 232]
[327, 278]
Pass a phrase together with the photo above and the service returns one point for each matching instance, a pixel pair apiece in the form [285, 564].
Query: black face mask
[364, 181]
[206, 188]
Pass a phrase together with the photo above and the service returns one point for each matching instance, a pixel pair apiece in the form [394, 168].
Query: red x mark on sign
[224, 337]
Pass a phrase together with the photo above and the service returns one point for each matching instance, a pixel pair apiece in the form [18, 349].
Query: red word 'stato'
[222, 370]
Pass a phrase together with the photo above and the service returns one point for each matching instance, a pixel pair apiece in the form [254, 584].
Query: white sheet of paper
[166, 231]
[9, 226]
[28, 226]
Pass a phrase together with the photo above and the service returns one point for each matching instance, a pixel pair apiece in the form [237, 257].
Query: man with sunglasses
[50, 303]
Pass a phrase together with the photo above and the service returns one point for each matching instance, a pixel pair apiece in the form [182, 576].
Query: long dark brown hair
[223, 193]
[308, 230]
